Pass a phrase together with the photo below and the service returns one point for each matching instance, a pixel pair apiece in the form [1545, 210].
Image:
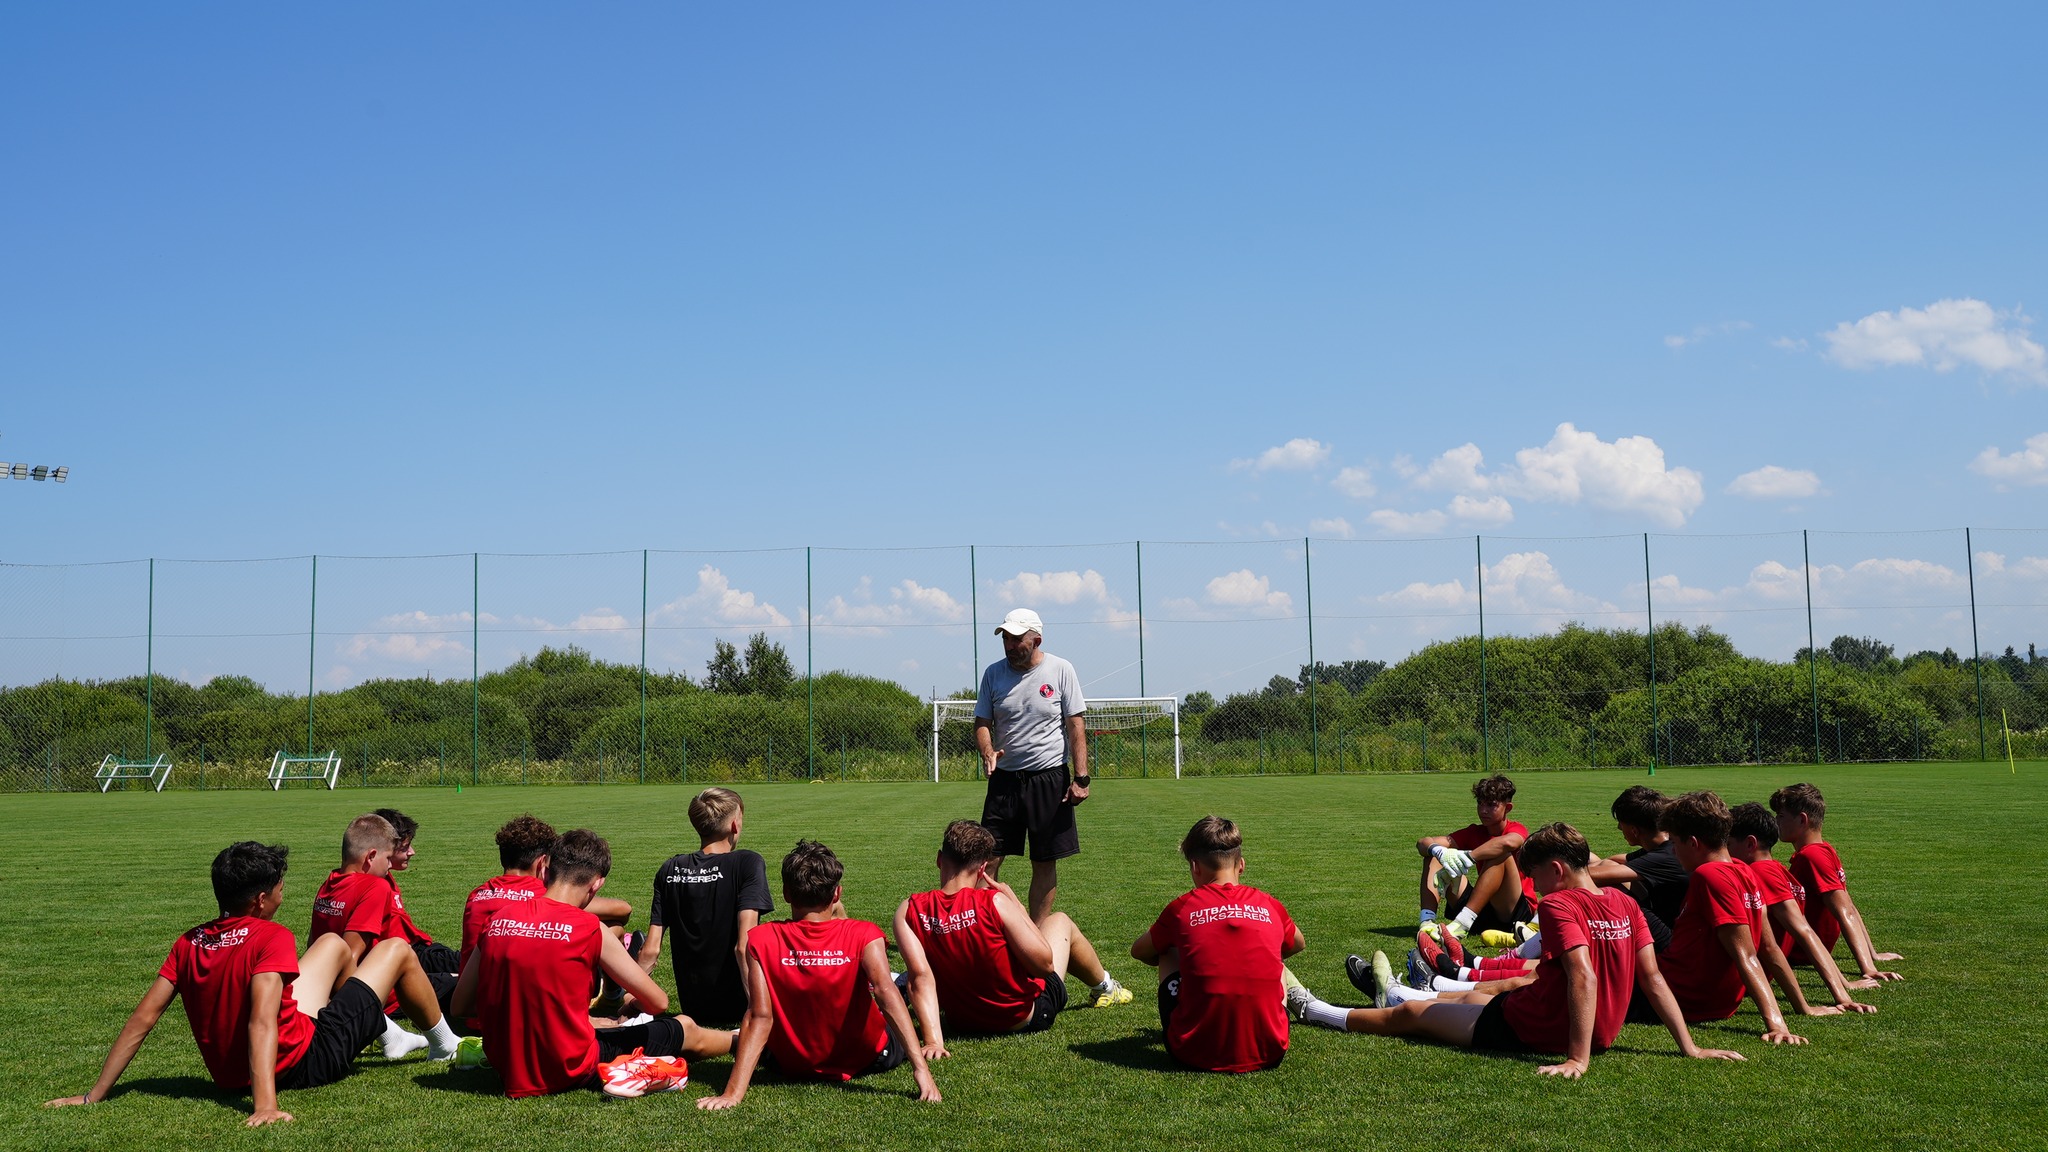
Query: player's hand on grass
[1887, 956]
[1860, 985]
[1782, 1036]
[1878, 976]
[66, 1102]
[264, 1116]
[718, 1103]
[1859, 1006]
[935, 1052]
[927, 1089]
[1718, 1054]
[1823, 1010]
[1570, 1069]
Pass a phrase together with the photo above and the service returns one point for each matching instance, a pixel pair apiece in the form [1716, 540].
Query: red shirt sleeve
[1827, 867]
[1724, 895]
[1286, 922]
[1639, 929]
[1564, 928]
[1166, 929]
[278, 951]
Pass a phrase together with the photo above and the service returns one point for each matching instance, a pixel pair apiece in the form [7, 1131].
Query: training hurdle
[112, 768]
[284, 767]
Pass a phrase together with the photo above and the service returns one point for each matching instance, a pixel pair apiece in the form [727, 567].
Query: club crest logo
[1045, 690]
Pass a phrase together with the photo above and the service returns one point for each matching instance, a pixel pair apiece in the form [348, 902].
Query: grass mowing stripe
[93, 898]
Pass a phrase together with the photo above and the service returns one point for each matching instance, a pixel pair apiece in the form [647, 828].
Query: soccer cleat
[1454, 953]
[1454, 930]
[1359, 971]
[1418, 973]
[1107, 998]
[1298, 999]
[1525, 931]
[1433, 957]
[470, 1053]
[1495, 938]
[1382, 979]
[637, 1074]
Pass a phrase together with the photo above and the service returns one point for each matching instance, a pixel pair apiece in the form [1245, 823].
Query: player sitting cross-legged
[264, 1017]
[1595, 950]
[1219, 950]
[812, 986]
[527, 983]
[1485, 888]
[973, 954]
[1822, 884]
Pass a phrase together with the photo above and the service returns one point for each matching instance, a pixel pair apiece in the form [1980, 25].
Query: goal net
[1114, 714]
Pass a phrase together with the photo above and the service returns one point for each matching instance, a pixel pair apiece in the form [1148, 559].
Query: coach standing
[1028, 727]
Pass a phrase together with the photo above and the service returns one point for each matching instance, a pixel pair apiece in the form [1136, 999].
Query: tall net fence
[1285, 657]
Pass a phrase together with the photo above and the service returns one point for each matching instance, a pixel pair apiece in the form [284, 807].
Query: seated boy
[523, 845]
[973, 953]
[1712, 959]
[1821, 883]
[1486, 889]
[708, 900]
[263, 1017]
[359, 903]
[812, 984]
[1650, 872]
[1219, 950]
[528, 985]
[1596, 949]
[1752, 834]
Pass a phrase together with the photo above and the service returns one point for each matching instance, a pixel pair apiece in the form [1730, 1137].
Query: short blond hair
[366, 834]
[712, 810]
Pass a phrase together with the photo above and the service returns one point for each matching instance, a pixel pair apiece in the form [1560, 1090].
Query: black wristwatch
[1082, 781]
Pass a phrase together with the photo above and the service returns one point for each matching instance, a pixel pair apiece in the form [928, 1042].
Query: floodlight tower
[19, 471]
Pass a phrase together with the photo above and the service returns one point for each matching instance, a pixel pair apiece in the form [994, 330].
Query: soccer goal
[1105, 714]
[157, 771]
[285, 767]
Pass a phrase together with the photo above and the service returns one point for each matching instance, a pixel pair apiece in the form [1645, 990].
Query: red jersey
[1229, 1016]
[487, 900]
[1703, 976]
[1473, 835]
[1817, 870]
[535, 960]
[401, 923]
[1608, 924]
[213, 966]
[982, 986]
[826, 1022]
[352, 902]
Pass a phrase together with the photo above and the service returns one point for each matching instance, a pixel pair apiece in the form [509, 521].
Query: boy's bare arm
[1735, 940]
[627, 973]
[1786, 916]
[1612, 873]
[1844, 907]
[1144, 951]
[1666, 1006]
[650, 949]
[1292, 944]
[1780, 969]
[1023, 936]
[133, 1033]
[746, 1055]
[462, 1002]
[924, 988]
[266, 993]
[1582, 999]
[1499, 848]
[748, 921]
[874, 964]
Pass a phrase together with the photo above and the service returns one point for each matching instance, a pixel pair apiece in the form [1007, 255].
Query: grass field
[1939, 856]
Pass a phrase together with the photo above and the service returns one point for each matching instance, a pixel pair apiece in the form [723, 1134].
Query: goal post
[1105, 714]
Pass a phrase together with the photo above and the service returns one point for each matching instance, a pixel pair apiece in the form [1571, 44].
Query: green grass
[96, 887]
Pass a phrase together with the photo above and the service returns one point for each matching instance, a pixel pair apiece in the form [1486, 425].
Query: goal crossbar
[283, 767]
[112, 768]
[1105, 714]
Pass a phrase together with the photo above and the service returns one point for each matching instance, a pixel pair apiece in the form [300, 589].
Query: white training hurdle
[112, 768]
[284, 767]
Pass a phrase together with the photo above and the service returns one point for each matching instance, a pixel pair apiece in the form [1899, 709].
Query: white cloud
[1355, 483]
[1771, 482]
[1335, 526]
[1628, 475]
[1491, 512]
[415, 638]
[1069, 587]
[1701, 332]
[716, 601]
[908, 602]
[1520, 583]
[1945, 335]
[1297, 455]
[1455, 471]
[1995, 564]
[2024, 468]
[1246, 589]
[1407, 523]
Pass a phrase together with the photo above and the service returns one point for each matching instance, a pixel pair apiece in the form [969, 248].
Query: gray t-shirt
[1027, 711]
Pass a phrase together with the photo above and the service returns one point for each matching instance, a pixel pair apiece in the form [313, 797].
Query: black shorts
[661, 1036]
[340, 1033]
[1492, 1031]
[893, 1052]
[1487, 920]
[1031, 805]
[1049, 1005]
[443, 984]
[1169, 999]
[435, 956]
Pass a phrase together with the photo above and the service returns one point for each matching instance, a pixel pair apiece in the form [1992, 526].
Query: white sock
[1107, 986]
[1327, 1015]
[1468, 973]
[1531, 949]
[1401, 994]
[1445, 984]
[1467, 918]
[398, 1042]
[442, 1041]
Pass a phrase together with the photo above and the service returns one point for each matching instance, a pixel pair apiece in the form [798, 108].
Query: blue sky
[522, 279]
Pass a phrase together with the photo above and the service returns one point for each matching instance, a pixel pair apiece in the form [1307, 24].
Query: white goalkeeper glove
[1455, 862]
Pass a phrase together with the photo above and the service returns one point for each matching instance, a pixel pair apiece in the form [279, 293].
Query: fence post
[1425, 747]
[1650, 621]
[643, 665]
[1144, 730]
[149, 668]
[202, 765]
[1812, 653]
[1315, 761]
[312, 630]
[476, 703]
[810, 680]
[974, 624]
[1479, 584]
[1976, 646]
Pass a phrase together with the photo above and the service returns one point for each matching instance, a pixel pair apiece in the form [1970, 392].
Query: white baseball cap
[1020, 621]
